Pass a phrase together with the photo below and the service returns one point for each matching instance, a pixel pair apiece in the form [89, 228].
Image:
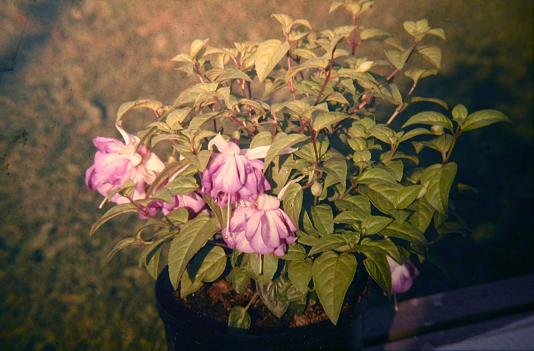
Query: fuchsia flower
[260, 227]
[402, 275]
[116, 162]
[234, 174]
[192, 202]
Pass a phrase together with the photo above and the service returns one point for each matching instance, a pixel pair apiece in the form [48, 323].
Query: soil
[216, 301]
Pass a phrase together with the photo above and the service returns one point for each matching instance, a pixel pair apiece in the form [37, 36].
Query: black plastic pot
[188, 331]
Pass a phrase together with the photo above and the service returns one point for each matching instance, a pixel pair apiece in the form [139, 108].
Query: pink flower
[260, 227]
[402, 275]
[234, 174]
[192, 202]
[116, 162]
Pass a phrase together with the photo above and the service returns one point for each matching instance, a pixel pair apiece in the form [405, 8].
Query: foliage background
[65, 66]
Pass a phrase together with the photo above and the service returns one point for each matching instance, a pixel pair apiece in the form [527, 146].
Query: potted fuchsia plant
[293, 179]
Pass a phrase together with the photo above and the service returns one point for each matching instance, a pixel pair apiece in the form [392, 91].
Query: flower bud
[437, 130]
[236, 135]
[316, 189]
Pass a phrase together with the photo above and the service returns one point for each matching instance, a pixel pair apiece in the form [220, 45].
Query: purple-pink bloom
[234, 174]
[402, 275]
[260, 227]
[116, 162]
[192, 202]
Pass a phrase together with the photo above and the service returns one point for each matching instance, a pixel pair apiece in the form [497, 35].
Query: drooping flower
[402, 275]
[116, 162]
[234, 174]
[260, 227]
[192, 202]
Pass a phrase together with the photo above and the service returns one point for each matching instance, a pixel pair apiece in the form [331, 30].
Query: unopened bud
[316, 189]
[236, 135]
[437, 130]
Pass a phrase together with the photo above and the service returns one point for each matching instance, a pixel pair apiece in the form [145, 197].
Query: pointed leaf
[429, 118]
[300, 273]
[281, 142]
[193, 236]
[483, 118]
[267, 56]
[332, 276]
[378, 268]
[112, 213]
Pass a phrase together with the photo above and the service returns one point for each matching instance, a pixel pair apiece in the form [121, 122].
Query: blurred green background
[65, 66]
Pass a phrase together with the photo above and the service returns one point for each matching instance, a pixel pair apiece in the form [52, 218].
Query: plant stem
[398, 110]
[456, 136]
[327, 78]
[252, 300]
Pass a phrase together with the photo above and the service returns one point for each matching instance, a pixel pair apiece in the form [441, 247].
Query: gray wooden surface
[470, 315]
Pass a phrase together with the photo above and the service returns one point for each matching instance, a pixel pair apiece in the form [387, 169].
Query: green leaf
[397, 58]
[373, 33]
[332, 276]
[240, 279]
[414, 133]
[300, 273]
[239, 318]
[381, 194]
[282, 141]
[181, 185]
[383, 133]
[267, 263]
[354, 202]
[328, 243]
[295, 252]
[113, 212]
[353, 217]
[323, 219]
[422, 215]
[483, 118]
[313, 63]
[429, 118]
[212, 264]
[406, 196]
[292, 202]
[137, 104]
[121, 245]
[375, 175]
[436, 101]
[404, 231]
[430, 53]
[437, 32]
[337, 97]
[336, 169]
[378, 268]
[261, 139]
[274, 295]
[196, 46]
[385, 246]
[179, 215]
[267, 56]
[193, 236]
[440, 185]
[374, 224]
[176, 117]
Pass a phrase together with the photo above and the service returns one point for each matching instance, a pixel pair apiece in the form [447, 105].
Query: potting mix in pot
[297, 169]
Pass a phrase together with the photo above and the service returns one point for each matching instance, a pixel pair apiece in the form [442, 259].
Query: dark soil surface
[217, 300]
